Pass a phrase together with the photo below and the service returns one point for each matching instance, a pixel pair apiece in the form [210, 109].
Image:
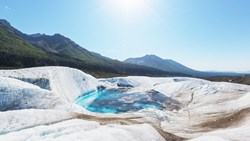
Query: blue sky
[202, 34]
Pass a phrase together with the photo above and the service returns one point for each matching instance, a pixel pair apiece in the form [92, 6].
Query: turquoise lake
[117, 102]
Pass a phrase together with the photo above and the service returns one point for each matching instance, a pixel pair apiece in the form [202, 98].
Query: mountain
[61, 45]
[247, 72]
[13, 48]
[18, 53]
[172, 66]
[56, 43]
[162, 64]
[20, 50]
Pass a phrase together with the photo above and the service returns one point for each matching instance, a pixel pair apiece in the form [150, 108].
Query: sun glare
[128, 5]
[127, 10]
[130, 10]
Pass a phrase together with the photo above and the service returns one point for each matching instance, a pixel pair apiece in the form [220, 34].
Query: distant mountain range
[172, 66]
[242, 79]
[19, 50]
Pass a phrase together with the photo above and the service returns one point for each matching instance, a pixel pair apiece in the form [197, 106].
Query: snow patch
[68, 83]
[78, 130]
[16, 94]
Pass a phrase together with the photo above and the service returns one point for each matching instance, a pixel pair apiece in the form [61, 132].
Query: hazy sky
[202, 34]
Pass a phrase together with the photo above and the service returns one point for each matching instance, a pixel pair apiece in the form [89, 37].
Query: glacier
[40, 104]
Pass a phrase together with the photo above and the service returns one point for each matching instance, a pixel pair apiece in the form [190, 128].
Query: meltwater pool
[108, 101]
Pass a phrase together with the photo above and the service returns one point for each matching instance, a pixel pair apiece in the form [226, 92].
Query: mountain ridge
[56, 43]
[172, 66]
[163, 64]
[57, 50]
[61, 50]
